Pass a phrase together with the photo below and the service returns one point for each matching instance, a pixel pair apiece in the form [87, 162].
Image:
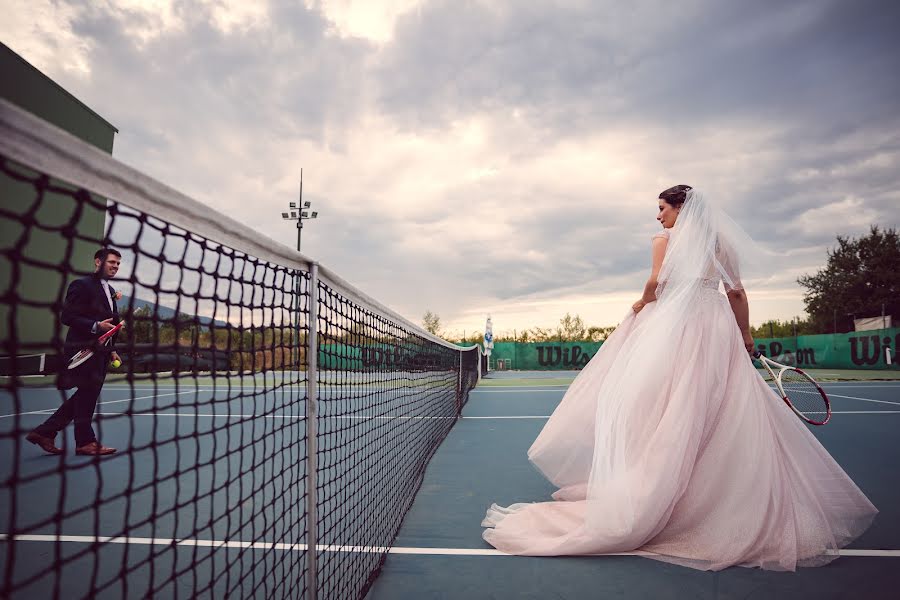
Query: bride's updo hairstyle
[675, 196]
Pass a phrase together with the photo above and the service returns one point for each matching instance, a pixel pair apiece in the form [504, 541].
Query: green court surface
[439, 552]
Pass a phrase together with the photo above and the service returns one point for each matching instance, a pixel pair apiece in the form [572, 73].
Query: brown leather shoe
[44, 442]
[94, 449]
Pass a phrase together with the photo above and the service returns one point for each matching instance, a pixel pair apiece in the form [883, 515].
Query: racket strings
[804, 394]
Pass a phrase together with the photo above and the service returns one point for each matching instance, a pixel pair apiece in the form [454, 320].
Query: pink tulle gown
[692, 459]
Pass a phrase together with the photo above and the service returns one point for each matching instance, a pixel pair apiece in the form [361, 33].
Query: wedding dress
[670, 443]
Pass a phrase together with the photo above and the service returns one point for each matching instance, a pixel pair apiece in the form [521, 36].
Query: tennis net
[273, 422]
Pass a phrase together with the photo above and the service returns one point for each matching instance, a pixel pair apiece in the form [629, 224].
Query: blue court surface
[439, 552]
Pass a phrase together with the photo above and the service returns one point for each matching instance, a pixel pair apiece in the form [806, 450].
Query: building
[38, 253]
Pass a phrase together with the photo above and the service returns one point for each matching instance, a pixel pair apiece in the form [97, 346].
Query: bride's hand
[748, 341]
[637, 306]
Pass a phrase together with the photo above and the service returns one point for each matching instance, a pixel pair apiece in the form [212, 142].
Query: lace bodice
[712, 279]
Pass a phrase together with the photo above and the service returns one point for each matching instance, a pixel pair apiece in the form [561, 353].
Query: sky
[499, 157]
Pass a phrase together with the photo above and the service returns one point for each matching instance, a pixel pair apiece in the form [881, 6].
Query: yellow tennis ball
[116, 363]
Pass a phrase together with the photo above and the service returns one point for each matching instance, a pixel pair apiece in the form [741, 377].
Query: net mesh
[208, 492]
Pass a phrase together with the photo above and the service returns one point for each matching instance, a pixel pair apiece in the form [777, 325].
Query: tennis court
[208, 476]
[440, 554]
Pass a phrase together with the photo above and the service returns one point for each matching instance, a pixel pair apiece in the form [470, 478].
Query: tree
[476, 337]
[776, 328]
[539, 334]
[141, 323]
[572, 328]
[860, 279]
[599, 334]
[431, 322]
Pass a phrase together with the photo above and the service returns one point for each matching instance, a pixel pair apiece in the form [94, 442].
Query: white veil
[705, 244]
[704, 247]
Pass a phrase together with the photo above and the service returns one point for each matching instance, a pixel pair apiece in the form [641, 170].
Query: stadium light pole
[299, 211]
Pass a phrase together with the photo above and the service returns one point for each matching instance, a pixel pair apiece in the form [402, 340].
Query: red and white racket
[799, 391]
[104, 340]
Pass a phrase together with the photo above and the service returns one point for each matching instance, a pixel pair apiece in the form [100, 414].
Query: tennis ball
[116, 363]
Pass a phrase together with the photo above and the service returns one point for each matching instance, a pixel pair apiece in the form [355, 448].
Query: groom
[89, 311]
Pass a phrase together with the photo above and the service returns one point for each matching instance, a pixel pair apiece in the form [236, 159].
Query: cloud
[851, 213]
[504, 157]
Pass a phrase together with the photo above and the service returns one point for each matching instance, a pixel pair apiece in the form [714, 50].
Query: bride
[670, 443]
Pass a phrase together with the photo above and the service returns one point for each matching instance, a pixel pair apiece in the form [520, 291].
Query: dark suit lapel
[112, 296]
[98, 292]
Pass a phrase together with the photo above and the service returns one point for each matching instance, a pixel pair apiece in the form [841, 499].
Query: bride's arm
[740, 307]
[659, 252]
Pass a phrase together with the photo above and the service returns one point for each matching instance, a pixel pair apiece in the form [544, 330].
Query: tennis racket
[799, 391]
[104, 340]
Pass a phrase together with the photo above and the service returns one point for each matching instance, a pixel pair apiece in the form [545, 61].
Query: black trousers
[80, 406]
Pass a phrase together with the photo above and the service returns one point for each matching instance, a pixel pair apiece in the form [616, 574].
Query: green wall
[854, 350]
[543, 356]
[45, 242]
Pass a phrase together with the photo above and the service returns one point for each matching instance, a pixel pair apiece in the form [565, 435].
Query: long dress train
[691, 458]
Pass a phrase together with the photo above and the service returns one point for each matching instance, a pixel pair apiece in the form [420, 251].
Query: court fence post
[312, 409]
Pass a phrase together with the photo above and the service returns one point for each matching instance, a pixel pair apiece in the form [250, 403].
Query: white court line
[300, 417]
[864, 399]
[515, 391]
[519, 387]
[48, 411]
[867, 387]
[298, 547]
[488, 389]
[834, 412]
[509, 417]
[398, 417]
[865, 412]
[143, 397]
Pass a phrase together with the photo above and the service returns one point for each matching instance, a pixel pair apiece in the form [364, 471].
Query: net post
[312, 409]
[459, 385]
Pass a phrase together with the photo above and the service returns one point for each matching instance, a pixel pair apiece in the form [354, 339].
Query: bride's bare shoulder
[664, 234]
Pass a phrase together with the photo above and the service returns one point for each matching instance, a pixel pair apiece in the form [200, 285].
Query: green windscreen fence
[541, 356]
[874, 349]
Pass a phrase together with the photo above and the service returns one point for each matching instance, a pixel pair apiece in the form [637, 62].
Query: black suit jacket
[85, 305]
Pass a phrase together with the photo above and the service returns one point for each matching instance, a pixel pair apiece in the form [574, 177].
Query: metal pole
[300, 212]
[459, 387]
[312, 411]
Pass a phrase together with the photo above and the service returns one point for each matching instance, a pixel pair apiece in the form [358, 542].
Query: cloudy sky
[503, 157]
